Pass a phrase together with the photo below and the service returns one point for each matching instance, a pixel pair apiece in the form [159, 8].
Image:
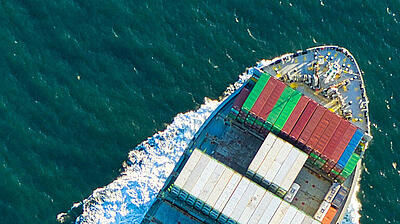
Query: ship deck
[303, 63]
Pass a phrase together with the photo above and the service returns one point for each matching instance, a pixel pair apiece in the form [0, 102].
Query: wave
[129, 197]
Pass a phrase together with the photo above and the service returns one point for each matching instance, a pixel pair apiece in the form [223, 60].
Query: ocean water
[83, 83]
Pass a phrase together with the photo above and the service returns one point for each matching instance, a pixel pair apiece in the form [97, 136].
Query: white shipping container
[195, 174]
[298, 218]
[219, 187]
[287, 164]
[227, 192]
[261, 208]
[322, 210]
[235, 197]
[269, 159]
[333, 190]
[262, 152]
[315, 222]
[273, 170]
[244, 201]
[307, 220]
[208, 170]
[294, 171]
[283, 153]
[289, 215]
[252, 205]
[211, 182]
[272, 210]
[188, 168]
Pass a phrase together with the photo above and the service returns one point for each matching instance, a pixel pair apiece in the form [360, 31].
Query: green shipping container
[351, 164]
[255, 92]
[287, 110]
[314, 155]
[280, 104]
[334, 172]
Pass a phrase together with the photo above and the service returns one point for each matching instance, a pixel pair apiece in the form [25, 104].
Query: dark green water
[140, 63]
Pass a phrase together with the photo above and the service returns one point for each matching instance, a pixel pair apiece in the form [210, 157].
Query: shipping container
[219, 187]
[188, 168]
[227, 192]
[279, 213]
[265, 94]
[334, 121]
[212, 181]
[239, 101]
[261, 208]
[351, 164]
[270, 211]
[318, 131]
[333, 190]
[340, 196]
[252, 205]
[255, 92]
[278, 161]
[285, 167]
[280, 104]
[202, 180]
[271, 101]
[269, 159]
[307, 220]
[262, 152]
[294, 170]
[312, 124]
[303, 120]
[289, 215]
[246, 198]
[328, 166]
[343, 142]
[329, 150]
[355, 140]
[295, 115]
[235, 197]
[195, 174]
[329, 216]
[322, 210]
[287, 110]
[298, 218]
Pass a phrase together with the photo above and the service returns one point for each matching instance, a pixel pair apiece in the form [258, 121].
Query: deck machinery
[283, 148]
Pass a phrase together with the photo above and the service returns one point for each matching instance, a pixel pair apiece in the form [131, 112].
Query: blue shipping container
[350, 148]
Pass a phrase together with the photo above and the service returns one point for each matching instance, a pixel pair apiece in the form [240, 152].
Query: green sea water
[83, 82]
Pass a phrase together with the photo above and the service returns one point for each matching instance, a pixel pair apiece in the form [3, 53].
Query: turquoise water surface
[84, 82]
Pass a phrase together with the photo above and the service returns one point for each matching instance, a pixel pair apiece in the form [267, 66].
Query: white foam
[128, 198]
[352, 215]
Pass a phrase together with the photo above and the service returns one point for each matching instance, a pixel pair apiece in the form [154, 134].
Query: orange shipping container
[329, 215]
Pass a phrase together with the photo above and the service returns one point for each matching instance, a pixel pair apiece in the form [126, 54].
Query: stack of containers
[226, 196]
[328, 139]
[276, 165]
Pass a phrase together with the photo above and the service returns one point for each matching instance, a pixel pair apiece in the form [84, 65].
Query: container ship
[285, 147]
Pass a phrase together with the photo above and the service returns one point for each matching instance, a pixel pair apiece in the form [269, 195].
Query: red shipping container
[303, 120]
[273, 98]
[328, 133]
[334, 141]
[344, 141]
[312, 124]
[294, 116]
[264, 95]
[322, 125]
[239, 101]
